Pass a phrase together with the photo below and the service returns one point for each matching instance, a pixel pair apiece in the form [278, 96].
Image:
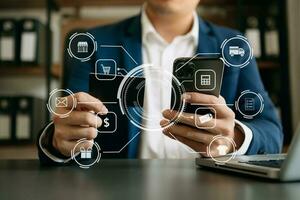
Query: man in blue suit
[163, 31]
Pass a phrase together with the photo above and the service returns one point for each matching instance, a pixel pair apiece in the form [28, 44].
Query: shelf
[268, 64]
[28, 151]
[80, 3]
[31, 4]
[56, 69]
[25, 4]
[29, 71]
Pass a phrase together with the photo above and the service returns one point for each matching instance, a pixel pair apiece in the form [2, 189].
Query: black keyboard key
[266, 163]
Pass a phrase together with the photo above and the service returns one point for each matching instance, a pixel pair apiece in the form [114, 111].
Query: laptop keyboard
[266, 163]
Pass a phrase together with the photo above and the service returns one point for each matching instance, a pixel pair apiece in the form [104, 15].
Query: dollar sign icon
[106, 123]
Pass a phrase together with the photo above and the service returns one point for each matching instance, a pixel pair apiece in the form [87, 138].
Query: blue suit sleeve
[266, 127]
[78, 75]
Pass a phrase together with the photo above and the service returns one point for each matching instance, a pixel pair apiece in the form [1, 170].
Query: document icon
[249, 104]
[61, 102]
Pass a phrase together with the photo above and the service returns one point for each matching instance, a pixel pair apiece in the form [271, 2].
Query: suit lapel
[132, 57]
[132, 43]
[207, 45]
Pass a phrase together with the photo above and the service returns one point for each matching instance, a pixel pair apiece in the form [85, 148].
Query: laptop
[282, 167]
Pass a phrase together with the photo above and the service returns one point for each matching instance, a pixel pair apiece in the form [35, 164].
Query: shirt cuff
[46, 151]
[248, 135]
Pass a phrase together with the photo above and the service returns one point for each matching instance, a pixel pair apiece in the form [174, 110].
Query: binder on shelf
[29, 118]
[253, 34]
[22, 119]
[272, 38]
[6, 119]
[32, 44]
[9, 41]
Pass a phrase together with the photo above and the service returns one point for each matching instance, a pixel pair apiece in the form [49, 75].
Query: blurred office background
[33, 35]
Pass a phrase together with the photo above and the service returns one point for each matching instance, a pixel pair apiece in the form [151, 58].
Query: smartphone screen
[105, 87]
[199, 74]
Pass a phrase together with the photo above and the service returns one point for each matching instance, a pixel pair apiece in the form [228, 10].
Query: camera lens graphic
[134, 108]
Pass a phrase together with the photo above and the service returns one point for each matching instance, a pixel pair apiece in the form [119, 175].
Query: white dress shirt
[159, 53]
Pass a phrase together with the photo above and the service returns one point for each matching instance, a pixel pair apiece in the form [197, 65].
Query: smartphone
[105, 87]
[198, 74]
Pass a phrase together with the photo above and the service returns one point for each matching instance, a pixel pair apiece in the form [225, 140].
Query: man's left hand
[199, 138]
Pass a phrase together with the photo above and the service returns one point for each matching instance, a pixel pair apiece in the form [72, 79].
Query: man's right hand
[80, 123]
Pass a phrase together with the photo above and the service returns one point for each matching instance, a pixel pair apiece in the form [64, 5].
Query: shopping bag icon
[61, 102]
[85, 153]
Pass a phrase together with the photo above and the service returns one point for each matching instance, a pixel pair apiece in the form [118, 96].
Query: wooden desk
[133, 179]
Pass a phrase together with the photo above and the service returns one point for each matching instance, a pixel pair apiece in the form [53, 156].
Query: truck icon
[236, 51]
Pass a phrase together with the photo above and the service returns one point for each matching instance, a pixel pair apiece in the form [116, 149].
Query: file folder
[6, 119]
[9, 41]
[32, 44]
[23, 124]
[29, 118]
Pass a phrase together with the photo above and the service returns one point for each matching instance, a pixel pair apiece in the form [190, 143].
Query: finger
[196, 146]
[88, 102]
[76, 132]
[66, 147]
[189, 133]
[198, 121]
[80, 118]
[217, 103]
[214, 126]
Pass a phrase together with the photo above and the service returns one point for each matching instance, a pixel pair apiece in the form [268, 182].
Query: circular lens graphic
[218, 149]
[86, 153]
[134, 88]
[61, 102]
[82, 46]
[236, 51]
[249, 104]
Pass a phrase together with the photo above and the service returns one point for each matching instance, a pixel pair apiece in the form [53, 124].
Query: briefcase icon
[61, 102]
[85, 153]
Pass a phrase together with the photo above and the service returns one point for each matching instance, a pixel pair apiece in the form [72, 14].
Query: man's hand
[199, 139]
[81, 123]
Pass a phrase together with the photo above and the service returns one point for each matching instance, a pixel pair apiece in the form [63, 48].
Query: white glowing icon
[222, 149]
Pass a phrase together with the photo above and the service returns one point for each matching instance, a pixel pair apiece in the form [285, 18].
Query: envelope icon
[61, 102]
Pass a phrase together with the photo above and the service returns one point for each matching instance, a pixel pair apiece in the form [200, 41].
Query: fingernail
[167, 111]
[186, 96]
[105, 111]
[163, 122]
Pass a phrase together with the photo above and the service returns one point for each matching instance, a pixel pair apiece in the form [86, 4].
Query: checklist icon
[249, 104]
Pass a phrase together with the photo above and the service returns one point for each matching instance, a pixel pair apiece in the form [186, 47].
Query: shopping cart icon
[106, 69]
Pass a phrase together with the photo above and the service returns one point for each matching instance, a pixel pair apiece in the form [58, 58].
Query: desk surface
[133, 179]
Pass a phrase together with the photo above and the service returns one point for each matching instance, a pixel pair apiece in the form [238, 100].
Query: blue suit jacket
[266, 128]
